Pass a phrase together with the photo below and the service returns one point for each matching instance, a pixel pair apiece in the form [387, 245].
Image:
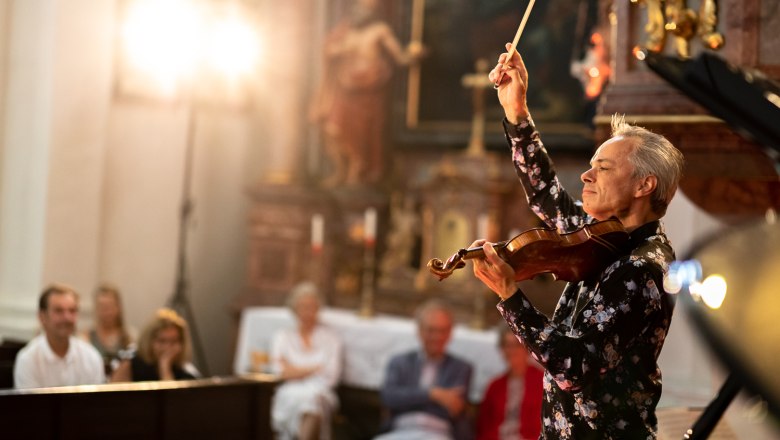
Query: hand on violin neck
[494, 272]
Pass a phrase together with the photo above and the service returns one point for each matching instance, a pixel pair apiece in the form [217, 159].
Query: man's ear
[646, 186]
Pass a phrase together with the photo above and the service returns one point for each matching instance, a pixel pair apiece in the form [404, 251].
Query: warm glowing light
[638, 53]
[594, 72]
[161, 39]
[172, 42]
[773, 98]
[233, 48]
[712, 291]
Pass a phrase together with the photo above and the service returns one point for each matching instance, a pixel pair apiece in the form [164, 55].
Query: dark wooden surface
[235, 408]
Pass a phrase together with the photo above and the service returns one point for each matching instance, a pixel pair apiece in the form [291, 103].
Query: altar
[369, 343]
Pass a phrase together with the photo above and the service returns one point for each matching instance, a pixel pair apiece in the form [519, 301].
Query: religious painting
[433, 106]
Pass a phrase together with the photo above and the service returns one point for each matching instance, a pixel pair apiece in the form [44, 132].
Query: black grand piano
[730, 283]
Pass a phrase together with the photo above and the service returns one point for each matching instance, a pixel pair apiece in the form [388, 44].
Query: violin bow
[513, 47]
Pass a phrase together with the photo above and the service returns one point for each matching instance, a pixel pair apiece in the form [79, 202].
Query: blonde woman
[164, 351]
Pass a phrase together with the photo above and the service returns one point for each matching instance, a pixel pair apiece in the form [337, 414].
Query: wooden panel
[29, 417]
[224, 412]
[198, 409]
[115, 415]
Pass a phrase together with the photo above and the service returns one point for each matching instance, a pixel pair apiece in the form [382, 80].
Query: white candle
[317, 231]
[483, 222]
[369, 227]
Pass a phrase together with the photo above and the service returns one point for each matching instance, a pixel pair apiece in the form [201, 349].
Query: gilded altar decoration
[665, 17]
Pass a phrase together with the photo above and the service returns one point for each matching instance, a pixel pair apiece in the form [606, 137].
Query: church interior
[210, 155]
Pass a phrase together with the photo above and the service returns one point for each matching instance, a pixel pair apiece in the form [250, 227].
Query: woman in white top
[308, 360]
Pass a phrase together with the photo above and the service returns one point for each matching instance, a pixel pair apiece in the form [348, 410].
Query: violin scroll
[442, 269]
[456, 261]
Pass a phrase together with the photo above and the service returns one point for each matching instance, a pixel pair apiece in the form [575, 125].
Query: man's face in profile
[59, 318]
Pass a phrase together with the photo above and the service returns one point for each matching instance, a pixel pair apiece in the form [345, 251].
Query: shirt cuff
[515, 302]
[524, 129]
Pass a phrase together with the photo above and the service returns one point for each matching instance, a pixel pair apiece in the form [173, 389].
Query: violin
[573, 256]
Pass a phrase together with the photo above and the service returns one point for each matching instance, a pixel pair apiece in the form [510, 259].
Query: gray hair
[302, 290]
[653, 155]
[431, 305]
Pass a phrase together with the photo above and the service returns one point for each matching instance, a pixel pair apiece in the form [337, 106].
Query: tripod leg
[181, 304]
[714, 411]
[197, 345]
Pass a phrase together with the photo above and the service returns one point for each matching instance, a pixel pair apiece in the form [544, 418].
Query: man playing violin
[600, 348]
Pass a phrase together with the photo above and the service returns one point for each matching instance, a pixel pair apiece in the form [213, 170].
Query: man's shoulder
[404, 357]
[33, 346]
[457, 362]
[85, 348]
[655, 251]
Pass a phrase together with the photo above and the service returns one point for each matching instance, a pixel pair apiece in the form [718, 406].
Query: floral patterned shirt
[600, 348]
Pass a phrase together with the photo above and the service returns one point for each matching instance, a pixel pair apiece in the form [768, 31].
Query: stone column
[58, 87]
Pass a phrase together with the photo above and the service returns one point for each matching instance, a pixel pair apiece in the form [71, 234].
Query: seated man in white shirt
[56, 357]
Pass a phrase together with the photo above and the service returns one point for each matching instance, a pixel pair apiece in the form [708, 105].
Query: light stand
[168, 49]
[179, 300]
[707, 421]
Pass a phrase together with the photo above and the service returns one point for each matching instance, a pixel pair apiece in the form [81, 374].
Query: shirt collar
[51, 356]
[423, 358]
[644, 232]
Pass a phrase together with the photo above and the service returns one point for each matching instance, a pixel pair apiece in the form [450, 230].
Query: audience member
[109, 335]
[308, 359]
[56, 357]
[512, 406]
[164, 351]
[426, 390]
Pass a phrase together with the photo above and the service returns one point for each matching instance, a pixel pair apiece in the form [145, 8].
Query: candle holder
[369, 264]
[317, 242]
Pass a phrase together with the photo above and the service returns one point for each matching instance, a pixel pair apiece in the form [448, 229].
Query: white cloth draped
[369, 343]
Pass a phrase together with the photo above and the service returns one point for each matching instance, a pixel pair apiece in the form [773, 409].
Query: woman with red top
[511, 408]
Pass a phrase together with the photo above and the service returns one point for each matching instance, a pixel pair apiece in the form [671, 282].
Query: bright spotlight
[161, 39]
[713, 291]
[233, 48]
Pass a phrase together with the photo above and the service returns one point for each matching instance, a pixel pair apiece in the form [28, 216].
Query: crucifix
[478, 82]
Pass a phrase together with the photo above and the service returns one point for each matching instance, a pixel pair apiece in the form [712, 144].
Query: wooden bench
[235, 408]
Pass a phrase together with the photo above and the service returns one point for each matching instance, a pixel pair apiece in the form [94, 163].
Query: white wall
[92, 183]
[26, 138]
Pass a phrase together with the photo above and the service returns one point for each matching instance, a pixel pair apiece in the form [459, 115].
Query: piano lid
[746, 100]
